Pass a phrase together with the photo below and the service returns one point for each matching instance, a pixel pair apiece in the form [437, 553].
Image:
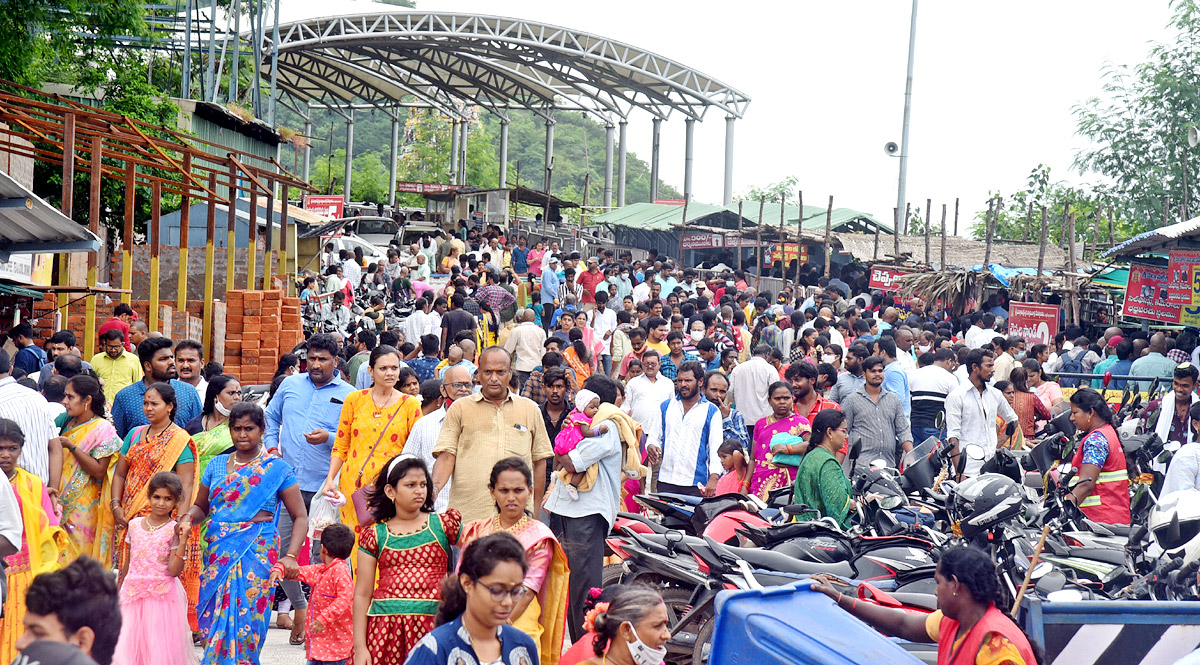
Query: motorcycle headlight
[891, 502]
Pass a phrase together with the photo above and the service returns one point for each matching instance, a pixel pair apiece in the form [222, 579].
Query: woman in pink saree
[783, 423]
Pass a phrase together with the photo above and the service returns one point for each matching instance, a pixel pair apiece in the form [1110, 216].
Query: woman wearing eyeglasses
[541, 612]
[476, 608]
[820, 482]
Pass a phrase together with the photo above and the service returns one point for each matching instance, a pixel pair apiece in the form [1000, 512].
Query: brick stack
[259, 326]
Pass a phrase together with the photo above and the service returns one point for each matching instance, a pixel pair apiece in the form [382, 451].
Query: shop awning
[29, 225]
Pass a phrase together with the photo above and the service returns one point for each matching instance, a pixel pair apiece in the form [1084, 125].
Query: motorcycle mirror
[1042, 569]
[1065, 596]
[1107, 379]
[975, 451]
[878, 464]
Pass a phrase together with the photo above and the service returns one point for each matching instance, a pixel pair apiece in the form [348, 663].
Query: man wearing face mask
[1014, 353]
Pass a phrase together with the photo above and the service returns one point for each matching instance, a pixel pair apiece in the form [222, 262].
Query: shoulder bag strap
[361, 471]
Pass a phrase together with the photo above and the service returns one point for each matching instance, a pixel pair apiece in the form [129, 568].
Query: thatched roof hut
[960, 252]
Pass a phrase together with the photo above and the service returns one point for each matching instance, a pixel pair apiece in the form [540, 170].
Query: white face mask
[924, 348]
[828, 358]
[221, 408]
[697, 335]
[642, 654]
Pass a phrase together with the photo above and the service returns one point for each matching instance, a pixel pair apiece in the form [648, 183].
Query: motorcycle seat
[779, 562]
[665, 541]
[922, 600]
[1116, 529]
[1115, 557]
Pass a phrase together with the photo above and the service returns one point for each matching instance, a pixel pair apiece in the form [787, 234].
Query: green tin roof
[665, 216]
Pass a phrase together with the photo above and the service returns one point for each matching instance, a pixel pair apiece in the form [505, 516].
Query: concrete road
[277, 650]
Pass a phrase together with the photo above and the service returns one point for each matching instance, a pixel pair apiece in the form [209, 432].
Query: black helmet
[981, 503]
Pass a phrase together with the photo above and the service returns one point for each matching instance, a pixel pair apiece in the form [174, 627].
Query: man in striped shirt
[930, 386]
[28, 409]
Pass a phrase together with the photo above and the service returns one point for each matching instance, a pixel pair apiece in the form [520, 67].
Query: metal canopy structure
[496, 62]
[29, 225]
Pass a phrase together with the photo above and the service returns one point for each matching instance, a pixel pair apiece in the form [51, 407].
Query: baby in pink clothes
[576, 428]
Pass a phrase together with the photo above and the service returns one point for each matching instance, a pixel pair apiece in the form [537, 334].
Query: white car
[348, 241]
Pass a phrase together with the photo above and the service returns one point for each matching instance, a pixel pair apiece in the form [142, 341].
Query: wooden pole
[210, 250]
[1112, 240]
[1071, 268]
[93, 258]
[799, 232]
[1042, 254]
[287, 275]
[987, 247]
[127, 235]
[928, 221]
[252, 258]
[783, 242]
[875, 254]
[1037, 553]
[896, 235]
[828, 233]
[185, 217]
[956, 217]
[759, 248]
[155, 216]
[739, 236]
[231, 237]
[1095, 235]
[943, 264]
[268, 261]
[1028, 223]
[68, 206]
[682, 226]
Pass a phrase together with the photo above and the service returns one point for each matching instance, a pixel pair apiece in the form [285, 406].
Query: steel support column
[503, 179]
[392, 164]
[654, 142]
[209, 80]
[622, 150]
[237, 50]
[453, 151]
[185, 79]
[689, 136]
[549, 154]
[462, 152]
[349, 153]
[727, 196]
[274, 66]
[609, 132]
[308, 130]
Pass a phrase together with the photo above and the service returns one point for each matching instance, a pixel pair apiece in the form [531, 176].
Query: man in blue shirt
[520, 257]
[550, 284]
[895, 379]
[158, 366]
[302, 421]
[30, 356]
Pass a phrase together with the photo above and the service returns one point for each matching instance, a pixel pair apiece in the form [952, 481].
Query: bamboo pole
[93, 258]
[1028, 222]
[990, 228]
[1112, 240]
[758, 250]
[928, 221]
[1095, 235]
[252, 258]
[231, 237]
[288, 278]
[943, 265]
[155, 217]
[185, 217]
[68, 206]
[783, 242]
[127, 235]
[739, 236]
[875, 254]
[269, 246]
[1042, 254]
[209, 268]
[956, 217]
[991, 232]
[828, 233]
[799, 232]
[682, 225]
[1071, 268]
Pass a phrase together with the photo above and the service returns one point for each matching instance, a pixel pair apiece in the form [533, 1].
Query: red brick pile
[259, 327]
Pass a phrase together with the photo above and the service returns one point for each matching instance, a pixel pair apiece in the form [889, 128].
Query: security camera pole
[912, 42]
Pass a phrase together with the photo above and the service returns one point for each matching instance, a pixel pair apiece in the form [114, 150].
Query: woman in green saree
[210, 429]
[820, 482]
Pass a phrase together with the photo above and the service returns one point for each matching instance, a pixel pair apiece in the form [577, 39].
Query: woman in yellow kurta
[373, 428]
[91, 447]
[542, 611]
[44, 545]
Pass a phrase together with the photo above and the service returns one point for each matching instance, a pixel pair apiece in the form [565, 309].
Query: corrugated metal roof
[665, 216]
[1157, 239]
[29, 225]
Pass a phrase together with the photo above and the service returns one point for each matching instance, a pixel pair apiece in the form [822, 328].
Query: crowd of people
[468, 465]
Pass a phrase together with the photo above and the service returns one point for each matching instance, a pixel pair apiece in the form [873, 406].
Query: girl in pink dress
[576, 428]
[154, 626]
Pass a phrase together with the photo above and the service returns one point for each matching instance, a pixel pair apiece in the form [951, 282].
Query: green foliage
[40, 39]
[1090, 206]
[786, 189]
[1138, 127]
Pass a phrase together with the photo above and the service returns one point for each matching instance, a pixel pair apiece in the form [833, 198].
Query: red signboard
[1146, 294]
[886, 279]
[673, 202]
[1182, 272]
[1038, 324]
[423, 187]
[332, 207]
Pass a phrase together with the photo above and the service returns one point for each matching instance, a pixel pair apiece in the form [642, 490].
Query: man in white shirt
[748, 383]
[981, 332]
[351, 270]
[685, 437]
[642, 291]
[904, 351]
[189, 360]
[417, 325]
[644, 393]
[30, 411]
[526, 342]
[971, 411]
[603, 322]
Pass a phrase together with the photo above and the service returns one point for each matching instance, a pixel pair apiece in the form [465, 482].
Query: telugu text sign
[1183, 277]
[332, 207]
[1037, 323]
[789, 253]
[886, 279]
[1146, 294]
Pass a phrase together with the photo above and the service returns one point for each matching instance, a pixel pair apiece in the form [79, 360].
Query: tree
[1139, 128]
[785, 189]
[39, 39]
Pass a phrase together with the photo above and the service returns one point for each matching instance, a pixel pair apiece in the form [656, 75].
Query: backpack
[1072, 364]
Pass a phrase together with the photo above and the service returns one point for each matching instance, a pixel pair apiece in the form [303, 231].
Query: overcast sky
[993, 88]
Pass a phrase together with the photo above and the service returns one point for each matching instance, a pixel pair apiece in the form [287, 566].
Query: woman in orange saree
[160, 446]
[90, 447]
[542, 611]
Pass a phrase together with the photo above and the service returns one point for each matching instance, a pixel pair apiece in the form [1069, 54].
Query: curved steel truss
[446, 59]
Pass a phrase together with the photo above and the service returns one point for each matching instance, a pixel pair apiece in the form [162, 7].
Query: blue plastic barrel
[794, 625]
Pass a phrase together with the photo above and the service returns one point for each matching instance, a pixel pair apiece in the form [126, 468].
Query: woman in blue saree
[240, 494]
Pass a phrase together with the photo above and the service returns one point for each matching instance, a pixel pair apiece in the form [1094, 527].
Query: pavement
[277, 651]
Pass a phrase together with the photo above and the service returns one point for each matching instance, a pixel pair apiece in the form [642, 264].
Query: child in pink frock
[576, 428]
[154, 626]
